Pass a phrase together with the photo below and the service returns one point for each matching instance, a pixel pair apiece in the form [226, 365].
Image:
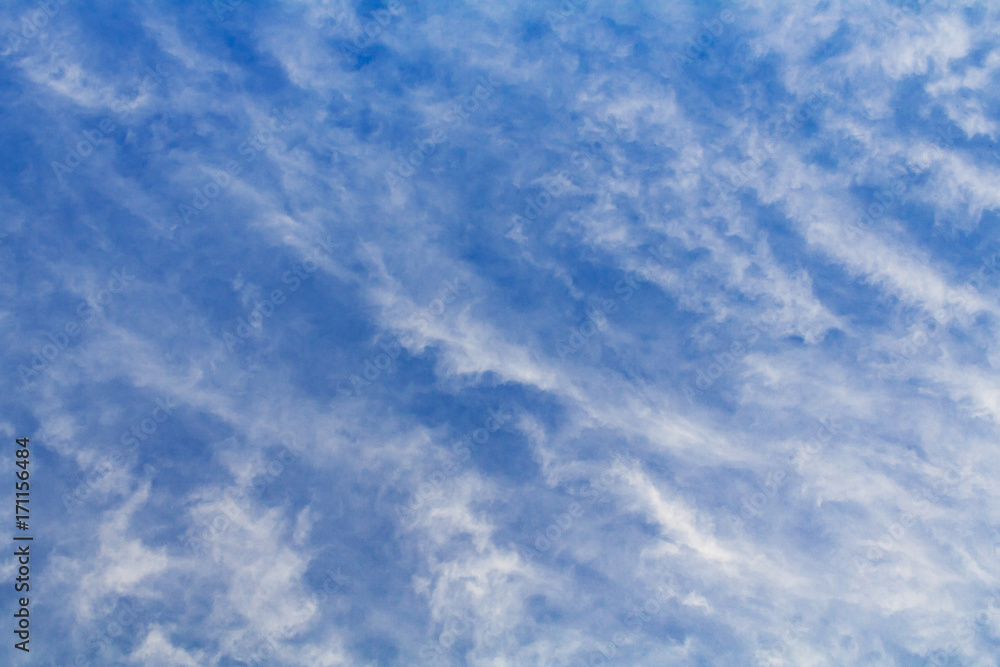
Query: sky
[517, 333]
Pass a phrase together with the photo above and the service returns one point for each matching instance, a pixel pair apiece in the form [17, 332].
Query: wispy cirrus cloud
[750, 245]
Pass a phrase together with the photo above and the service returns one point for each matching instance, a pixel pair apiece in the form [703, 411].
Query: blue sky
[495, 334]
